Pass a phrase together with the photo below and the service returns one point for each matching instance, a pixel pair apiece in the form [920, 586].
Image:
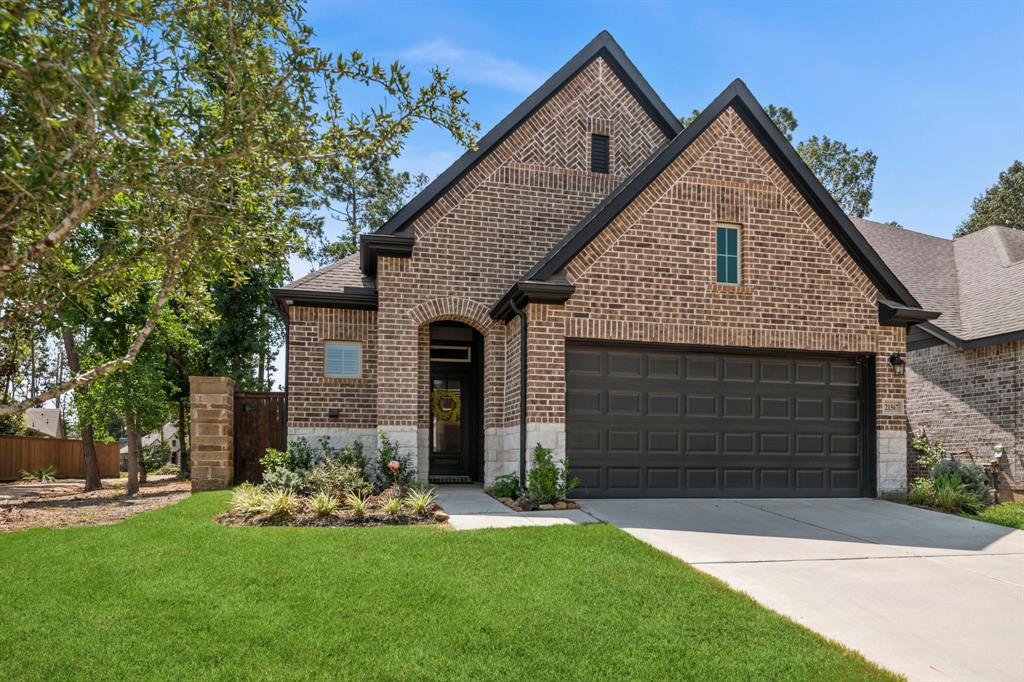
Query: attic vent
[598, 153]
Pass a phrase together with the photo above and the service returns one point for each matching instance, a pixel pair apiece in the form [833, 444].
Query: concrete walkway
[470, 508]
[925, 594]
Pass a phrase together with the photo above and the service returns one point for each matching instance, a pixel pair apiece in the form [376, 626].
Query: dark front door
[259, 424]
[664, 422]
[455, 404]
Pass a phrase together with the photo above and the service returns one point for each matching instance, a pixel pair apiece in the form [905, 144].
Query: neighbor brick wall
[971, 399]
[649, 276]
[310, 393]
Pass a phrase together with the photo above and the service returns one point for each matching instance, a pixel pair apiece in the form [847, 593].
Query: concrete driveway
[928, 595]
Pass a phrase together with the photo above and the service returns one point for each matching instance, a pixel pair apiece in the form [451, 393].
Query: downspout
[521, 314]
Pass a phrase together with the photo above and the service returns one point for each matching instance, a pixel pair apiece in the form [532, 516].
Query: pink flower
[393, 465]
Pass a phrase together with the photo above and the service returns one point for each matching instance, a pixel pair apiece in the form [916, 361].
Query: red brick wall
[649, 276]
[971, 399]
[497, 221]
[310, 393]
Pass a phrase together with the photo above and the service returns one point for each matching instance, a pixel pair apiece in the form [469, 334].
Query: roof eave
[353, 298]
[524, 293]
[373, 245]
[971, 344]
[893, 314]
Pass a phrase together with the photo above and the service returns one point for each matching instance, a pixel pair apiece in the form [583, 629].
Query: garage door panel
[653, 422]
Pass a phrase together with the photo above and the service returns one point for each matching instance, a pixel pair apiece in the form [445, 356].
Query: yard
[169, 594]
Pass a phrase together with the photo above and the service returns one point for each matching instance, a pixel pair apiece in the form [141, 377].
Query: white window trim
[739, 253]
[351, 344]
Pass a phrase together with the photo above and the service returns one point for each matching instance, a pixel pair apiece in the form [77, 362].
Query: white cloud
[475, 66]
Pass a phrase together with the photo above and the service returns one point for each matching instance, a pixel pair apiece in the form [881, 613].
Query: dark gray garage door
[651, 422]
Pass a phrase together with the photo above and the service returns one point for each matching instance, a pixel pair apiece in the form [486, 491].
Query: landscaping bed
[63, 504]
[514, 505]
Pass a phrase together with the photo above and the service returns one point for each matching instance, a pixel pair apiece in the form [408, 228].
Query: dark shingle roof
[976, 281]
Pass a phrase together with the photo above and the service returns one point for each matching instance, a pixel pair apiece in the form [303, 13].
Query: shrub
[973, 477]
[357, 505]
[351, 454]
[170, 469]
[506, 486]
[393, 468]
[930, 450]
[420, 502]
[247, 500]
[45, 474]
[284, 479]
[335, 477]
[323, 504]
[921, 492]
[155, 456]
[279, 504]
[547, 481]
[949, 493]
[275, 459]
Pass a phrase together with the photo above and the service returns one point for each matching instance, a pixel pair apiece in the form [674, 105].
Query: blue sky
[936, 90]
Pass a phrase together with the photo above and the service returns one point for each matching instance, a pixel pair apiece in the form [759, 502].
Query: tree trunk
[182, 451]
[92, 465]
[133, 454]
[142, 461]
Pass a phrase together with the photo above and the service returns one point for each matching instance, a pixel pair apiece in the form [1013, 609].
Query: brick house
[965, 370]
[680, 312]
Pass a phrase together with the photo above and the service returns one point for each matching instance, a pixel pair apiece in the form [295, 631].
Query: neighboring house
[681, 312]
[965, 379]
[167, 434]
[44, 421]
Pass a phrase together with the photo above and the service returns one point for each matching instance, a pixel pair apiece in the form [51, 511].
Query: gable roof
[603, 45]
[736, 95]
[974, 281]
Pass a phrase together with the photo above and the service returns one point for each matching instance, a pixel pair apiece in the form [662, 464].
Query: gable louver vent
[598, 153]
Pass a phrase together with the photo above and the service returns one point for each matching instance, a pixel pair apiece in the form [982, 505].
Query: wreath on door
[446, 405]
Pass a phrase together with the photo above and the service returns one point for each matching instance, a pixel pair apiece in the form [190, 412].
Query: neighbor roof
[334, 277]
[976, 281]
[739, 97]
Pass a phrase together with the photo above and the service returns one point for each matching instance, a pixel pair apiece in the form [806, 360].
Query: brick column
[212, 432]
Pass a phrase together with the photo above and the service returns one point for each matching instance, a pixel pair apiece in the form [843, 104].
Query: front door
[455, 406]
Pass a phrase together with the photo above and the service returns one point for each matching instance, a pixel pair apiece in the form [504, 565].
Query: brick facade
[972, 400]
[648, 277]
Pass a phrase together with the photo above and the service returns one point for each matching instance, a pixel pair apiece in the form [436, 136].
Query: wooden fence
[23, 452]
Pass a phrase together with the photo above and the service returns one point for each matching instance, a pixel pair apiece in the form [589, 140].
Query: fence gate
[259, 424]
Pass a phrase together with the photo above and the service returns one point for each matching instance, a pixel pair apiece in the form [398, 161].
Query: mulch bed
[64, 504]
[513, 505]
[306, 519]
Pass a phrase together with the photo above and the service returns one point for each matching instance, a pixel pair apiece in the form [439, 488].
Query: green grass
[1006, 514]
[171, 595]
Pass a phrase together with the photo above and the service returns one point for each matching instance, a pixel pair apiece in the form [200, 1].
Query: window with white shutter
[343, 359]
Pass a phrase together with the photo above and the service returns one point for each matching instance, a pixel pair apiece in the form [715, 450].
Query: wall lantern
[898, 364]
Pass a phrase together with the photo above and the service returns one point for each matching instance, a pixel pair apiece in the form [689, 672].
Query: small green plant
[323, 504]
[393, 467]
[973, 476]
[47, 474]
[393, 506]
[338, 478]
[547, 481]
[930, 451]
[952, 495]
[284, 479]
[279, 504]
[247, 500]
[921, 492]
[357, 505]
[420, 502]
[506, 486]
[170, 469]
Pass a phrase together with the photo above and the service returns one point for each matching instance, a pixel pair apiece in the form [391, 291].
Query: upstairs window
[598, 153]
[727, 254]
[343, 359]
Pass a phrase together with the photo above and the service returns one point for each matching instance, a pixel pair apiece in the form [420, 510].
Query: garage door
[651, 422]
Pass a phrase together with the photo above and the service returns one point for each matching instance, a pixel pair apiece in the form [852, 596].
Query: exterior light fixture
[997, 451]
[899, 366]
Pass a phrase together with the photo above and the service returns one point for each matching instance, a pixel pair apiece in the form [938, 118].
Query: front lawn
[1006, 514]
[171, 595]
